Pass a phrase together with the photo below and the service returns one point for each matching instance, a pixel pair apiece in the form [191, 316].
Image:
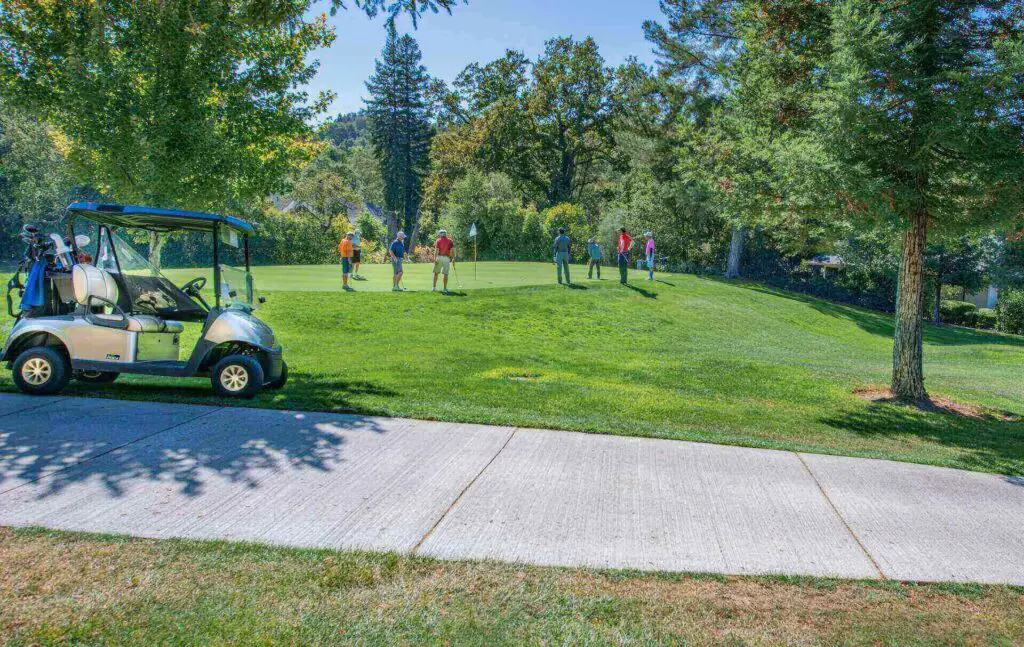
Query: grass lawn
[685, 357]
[418, 276]
[88, 589]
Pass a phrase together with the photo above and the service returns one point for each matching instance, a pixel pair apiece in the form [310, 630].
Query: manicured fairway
[686, 358]
[418, 276]
[86, 589]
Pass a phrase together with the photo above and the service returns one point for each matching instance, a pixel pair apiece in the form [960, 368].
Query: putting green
[418, 276]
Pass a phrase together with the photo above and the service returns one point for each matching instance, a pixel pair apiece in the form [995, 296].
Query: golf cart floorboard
[168, 368]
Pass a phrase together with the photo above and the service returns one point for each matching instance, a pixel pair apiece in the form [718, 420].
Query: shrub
[960, 313]
[1010, 310]
[986, 319]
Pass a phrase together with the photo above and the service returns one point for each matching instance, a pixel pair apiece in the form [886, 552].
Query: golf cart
[93, 308]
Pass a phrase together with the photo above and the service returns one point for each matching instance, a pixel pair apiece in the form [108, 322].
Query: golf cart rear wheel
[282, 379]
[96, 377]
[41, 371]
[237, 376]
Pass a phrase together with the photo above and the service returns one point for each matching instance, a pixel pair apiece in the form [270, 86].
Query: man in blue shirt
[562, 255]
[397, 253]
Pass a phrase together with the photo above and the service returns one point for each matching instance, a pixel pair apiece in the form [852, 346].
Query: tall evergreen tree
[399, 125]
[867, 111]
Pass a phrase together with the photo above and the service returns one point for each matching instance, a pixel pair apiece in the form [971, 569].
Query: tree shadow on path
[81, 440]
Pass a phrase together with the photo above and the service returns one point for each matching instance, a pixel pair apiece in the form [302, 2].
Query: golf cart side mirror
[262, 299]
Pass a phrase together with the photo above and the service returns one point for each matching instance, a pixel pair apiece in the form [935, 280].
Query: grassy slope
[689, 358]
[87, 589]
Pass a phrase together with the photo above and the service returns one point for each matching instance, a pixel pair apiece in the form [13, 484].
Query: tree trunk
[732, 270]
[156, 247]
[907, 360]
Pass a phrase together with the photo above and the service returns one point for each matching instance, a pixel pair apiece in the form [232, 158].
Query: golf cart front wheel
[282, 379]
[96, 377]
[41, 371]
[237, 376]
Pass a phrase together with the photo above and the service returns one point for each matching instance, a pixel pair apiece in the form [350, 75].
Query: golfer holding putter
[357, 258]
[595, 258]
[444, 257]
[649, 253]
[625, 242]
[397, 252]
[345, 251]
[561, 250]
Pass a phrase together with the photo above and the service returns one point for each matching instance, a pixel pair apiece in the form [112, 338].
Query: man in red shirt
[443, 259]
[625, 242]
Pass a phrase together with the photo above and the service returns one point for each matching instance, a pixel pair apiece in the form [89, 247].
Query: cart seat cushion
[90, 281]
[145, 323]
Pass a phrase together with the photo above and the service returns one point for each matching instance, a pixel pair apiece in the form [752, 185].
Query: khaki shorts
[442, 264]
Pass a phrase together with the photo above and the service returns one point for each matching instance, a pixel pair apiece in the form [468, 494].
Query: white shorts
[442, 264]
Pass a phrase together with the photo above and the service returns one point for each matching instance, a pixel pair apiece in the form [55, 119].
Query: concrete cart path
[458, 491]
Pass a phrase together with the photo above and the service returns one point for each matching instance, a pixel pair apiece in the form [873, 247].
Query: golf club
[457, 279]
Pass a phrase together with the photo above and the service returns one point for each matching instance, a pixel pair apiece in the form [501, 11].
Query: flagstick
[474, 258]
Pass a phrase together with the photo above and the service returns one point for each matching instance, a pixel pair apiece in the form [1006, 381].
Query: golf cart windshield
[141, 287]
[237, 288]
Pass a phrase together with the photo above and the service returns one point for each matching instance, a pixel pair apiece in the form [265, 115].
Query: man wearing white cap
[397, 253]
[443, 258]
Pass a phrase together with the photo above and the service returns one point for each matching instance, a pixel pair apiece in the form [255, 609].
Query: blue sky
[480, 31]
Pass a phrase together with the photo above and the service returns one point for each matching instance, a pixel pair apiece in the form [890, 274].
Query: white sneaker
[396, 289]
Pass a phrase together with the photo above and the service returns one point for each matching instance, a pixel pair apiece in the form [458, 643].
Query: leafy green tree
[364, 171]
[34, 183]
[570, 105]
[399, 126]
[179, 103]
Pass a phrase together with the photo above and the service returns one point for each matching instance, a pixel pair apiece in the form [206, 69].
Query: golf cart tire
[96, 377]
[42, 359]
[280, 381]
[229, 371]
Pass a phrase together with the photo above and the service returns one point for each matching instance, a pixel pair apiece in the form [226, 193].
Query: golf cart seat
[96, 287]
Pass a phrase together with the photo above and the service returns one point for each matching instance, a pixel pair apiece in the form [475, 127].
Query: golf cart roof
[151, 218]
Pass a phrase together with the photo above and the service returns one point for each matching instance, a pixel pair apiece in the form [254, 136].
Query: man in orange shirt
[345, 251]
[625, 242]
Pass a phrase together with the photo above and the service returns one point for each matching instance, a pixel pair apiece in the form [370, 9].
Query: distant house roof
[831, 261]
[283, 203]
[354, 211]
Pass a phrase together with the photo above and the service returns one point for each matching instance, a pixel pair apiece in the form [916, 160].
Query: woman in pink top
[649, 251]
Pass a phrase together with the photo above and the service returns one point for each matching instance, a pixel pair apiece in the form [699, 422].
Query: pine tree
[906, 112]
[399, 125]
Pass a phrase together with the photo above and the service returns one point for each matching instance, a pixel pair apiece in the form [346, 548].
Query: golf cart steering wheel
[193, 287]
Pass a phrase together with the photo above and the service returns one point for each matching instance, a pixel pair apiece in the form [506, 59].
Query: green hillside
[684, 357]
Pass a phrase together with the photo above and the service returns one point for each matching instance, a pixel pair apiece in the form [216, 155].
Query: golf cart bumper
[273, 359]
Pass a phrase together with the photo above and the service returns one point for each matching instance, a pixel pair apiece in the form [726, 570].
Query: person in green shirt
[595, 258]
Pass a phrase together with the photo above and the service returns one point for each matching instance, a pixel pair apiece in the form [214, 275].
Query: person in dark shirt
[625, 242]
[561, 250]
[397, 253]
